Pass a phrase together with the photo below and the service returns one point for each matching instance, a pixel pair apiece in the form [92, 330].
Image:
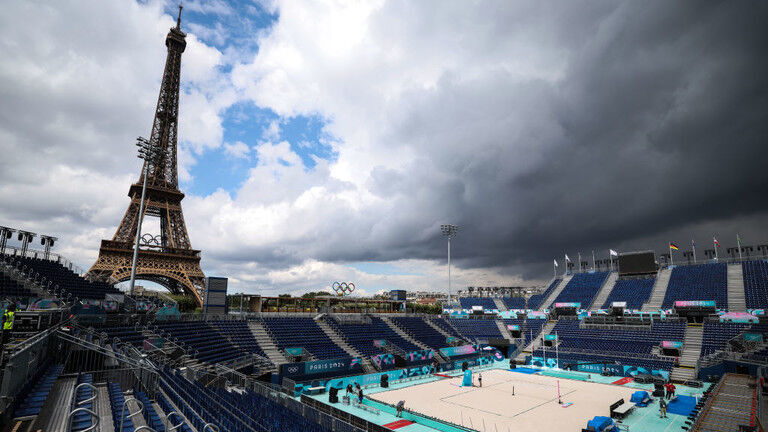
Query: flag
[613, 252]
[717, 243]
[556, 263]
[673, 246]
[738, 240]
[566, 258]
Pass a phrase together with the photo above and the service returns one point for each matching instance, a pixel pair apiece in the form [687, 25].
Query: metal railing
[29, 359]
[87, 411]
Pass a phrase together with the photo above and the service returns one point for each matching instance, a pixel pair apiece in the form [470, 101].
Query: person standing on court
[662, 408]
[480, 379]
[400, 407]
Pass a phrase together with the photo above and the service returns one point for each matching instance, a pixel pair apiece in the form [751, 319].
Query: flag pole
[693, 246]
[610, 256]
[554, 269]
[714, 242]
[671, 260]
[593, 260]
[579, 262]
[738, 242]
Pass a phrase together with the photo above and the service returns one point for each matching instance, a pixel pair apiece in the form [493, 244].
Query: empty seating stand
[477, 328]
[69, 282]
[116, 402]
[83, 420]
[231, 411]
[755, 274]
[716, 335]
[486, 302]
[421, 331]
[698, 282]
[305, 333]
[514, 302]
[633, 347]
[361, 336]
[202, 341]
[9, 288]
[150, 415]
[582, 288]
[33, 397]
[635, 292]
[240, 335]
[534, 302]
[530, 328]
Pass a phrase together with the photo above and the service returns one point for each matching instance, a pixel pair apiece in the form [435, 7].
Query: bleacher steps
[694, 335]
[659, 291]
[503, 329]
[266, 343]
[403, 333]
[528, 350]
[736, 300]
[605, 291]
[499, 304]
[555, 292]
[103, 409]
[339, 340]
[437, 327]
[54, 412]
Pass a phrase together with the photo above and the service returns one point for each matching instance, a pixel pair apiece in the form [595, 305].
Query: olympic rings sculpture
[343, 288]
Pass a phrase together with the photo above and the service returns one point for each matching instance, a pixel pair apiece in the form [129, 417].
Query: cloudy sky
[328, 140]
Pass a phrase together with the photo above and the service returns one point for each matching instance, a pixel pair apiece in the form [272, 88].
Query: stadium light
[47, 242]
[449, 231]
[5, 234]
[148, 152]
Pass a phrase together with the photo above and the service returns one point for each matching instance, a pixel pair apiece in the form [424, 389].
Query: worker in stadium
[479, 379]
[8, 315]
[662, 408]
[400, 407]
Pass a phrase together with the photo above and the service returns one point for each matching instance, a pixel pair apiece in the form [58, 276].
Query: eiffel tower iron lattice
[167, 259]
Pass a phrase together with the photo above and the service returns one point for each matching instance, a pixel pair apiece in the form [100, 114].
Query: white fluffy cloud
[526, 123]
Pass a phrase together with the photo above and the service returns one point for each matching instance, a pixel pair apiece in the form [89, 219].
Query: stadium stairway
[659, 291]
[404, 334]
[499, 304]
[555, 292]
[266, 343]
[338, 340]
[438, 328]
[528, 350]
[504, 330]
[694, 334]
[605, 291]
[736, 296]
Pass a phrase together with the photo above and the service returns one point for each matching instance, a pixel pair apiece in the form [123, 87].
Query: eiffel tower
[168, 258]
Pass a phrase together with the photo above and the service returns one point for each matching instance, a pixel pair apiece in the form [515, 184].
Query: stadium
[647, 340]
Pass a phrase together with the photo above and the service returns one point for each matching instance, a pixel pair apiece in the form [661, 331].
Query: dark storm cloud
[657, 131]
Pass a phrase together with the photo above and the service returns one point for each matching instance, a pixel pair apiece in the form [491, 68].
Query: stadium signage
[320, 367]
[295, 351]
[513, 327]
[459, 350]
[695, 303]
[672, 344]
[575, 305]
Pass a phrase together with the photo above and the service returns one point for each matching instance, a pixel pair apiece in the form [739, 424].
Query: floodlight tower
[150, 153]
[449, 231]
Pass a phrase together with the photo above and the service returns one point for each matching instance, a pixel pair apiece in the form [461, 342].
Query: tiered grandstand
[95, 349]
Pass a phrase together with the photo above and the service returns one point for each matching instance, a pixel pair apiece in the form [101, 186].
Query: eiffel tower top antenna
[178, 19]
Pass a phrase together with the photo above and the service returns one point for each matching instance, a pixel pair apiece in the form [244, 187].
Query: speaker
[385, 381]
[333, 395]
